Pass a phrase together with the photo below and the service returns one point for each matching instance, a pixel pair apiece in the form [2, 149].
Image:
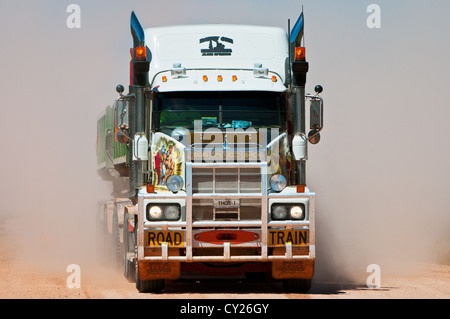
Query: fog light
[174, 183]
[278, 182]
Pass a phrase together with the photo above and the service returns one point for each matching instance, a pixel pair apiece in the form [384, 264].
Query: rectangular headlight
[288, 211]
[160, 212]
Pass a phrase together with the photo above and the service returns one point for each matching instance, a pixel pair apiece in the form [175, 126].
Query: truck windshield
[219, 109]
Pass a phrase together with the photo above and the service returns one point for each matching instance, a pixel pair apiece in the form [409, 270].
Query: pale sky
[384, 154]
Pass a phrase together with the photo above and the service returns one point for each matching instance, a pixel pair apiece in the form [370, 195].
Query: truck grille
[203, 209]
[235, 180]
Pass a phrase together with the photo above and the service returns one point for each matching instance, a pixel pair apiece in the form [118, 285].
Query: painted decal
[219, 48]
[168, 159]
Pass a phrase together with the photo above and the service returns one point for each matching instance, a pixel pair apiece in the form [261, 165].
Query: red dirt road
[27, 274]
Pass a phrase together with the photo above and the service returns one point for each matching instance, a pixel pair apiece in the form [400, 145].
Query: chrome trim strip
[189, 212]
[264, 214]
[231, 259]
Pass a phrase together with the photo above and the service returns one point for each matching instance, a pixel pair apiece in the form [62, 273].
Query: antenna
[304, 44]
[289, 42]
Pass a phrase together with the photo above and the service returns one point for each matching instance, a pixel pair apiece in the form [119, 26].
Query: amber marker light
[205, 78]
[219, 78]
[300, 188]
[150, 188]
[300, 54]
[234, 78]
[274, 78]
[164, 78]
[141, 53]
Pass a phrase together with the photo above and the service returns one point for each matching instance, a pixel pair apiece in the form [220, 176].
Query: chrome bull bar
[190, 226]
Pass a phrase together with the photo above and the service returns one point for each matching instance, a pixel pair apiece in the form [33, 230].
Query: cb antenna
[289, 57]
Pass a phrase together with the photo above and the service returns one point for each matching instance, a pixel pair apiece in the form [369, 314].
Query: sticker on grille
[205, 209]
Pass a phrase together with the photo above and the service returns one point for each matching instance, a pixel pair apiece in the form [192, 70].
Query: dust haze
[380, 172]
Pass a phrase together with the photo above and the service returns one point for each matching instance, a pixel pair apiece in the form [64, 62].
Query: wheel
[149, 285]
[129, 243]
[155, 286]
[297, 285]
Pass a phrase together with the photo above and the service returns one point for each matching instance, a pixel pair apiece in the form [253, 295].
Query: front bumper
[288, 259]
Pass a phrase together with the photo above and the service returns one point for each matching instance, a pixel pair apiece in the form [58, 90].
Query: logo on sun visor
[216, 47]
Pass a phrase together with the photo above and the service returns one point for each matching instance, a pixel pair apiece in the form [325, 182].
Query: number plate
[172, 238]
[297, 237]
[226, 203]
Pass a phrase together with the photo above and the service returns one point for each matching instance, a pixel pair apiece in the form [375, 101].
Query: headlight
[278, 182]
[160, 212]
[172, 212]
[288, 211]
[296, 212]
[279, 212]
[155, 212]
[174, 183]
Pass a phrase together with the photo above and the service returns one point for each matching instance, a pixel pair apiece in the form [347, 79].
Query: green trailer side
[112, 156]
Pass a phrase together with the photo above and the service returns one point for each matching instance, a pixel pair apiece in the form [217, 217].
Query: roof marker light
[234, 78]
[274, 78]
[219, 78]
[205, 78]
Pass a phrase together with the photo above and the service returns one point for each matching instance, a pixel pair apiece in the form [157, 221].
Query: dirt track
[28, 276]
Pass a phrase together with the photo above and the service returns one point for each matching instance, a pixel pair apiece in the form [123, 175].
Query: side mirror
[315, 115]
[121, 121]
[122, 114]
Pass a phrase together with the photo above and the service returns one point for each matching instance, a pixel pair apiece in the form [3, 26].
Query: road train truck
[206, 154]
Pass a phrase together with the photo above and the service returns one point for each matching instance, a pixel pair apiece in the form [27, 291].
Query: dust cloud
[54, 87]
[380, 171]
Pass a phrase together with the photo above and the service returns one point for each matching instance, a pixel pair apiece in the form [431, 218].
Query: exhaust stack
[299, 68]
[140, 65]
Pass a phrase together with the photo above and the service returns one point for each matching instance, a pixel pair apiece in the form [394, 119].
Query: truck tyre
[155, 286]
[297, 285]
[129, 242]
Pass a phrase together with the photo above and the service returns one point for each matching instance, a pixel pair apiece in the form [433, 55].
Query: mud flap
[159, 270]
[293, 269]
